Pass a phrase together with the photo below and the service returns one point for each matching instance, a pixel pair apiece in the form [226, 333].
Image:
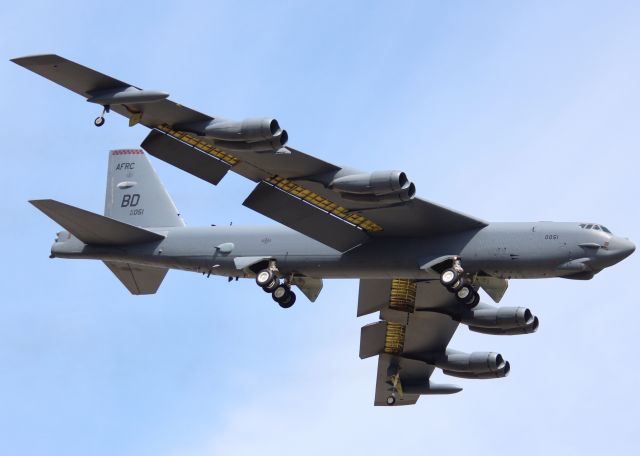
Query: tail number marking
[130, 200]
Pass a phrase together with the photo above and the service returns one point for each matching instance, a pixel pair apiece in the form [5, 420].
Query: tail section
[135, 198]
[135, 194]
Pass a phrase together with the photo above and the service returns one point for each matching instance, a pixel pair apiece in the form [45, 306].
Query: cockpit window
[593, 226]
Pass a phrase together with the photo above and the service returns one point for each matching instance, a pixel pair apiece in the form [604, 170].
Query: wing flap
[185, 157]
[304, 218]
[373, 295]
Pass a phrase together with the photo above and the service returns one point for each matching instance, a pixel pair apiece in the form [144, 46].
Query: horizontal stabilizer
[92, 228]
[138, 279]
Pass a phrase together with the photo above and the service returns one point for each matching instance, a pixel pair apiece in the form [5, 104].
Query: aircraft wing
[290, 188]
[414, 319]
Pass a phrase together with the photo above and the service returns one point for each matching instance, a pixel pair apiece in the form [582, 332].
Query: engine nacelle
[471, 362]
[377, 183]
[275, 143]
[501, 373]
[513, 331]
[485, 316]
[245, 130]
[400, 196]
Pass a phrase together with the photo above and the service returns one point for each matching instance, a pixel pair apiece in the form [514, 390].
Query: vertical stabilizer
[135, 194]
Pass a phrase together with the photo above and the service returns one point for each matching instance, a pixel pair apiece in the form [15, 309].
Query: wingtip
[40, 202]
[36, 58]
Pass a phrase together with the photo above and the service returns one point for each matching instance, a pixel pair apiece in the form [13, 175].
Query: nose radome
[622, 248]
[628, 247]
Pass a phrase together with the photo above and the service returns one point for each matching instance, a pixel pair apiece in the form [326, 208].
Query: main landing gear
[456, 282]
[281, 292]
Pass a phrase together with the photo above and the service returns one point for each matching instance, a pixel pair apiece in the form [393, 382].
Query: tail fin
[135, 194]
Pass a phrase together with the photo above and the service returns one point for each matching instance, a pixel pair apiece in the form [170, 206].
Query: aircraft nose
[623, 248]
[628, 247]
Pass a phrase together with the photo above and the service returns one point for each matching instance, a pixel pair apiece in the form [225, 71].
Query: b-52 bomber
[420, 265]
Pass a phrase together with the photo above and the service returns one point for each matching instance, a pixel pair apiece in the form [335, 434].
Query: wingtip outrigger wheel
[100, 120]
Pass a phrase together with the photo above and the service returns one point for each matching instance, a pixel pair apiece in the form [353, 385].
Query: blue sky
[504, 110]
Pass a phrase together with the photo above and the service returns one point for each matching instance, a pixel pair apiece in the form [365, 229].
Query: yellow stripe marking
[280, 182]
[403, 295]
[394, 338]
[321, 202]
[200, 145]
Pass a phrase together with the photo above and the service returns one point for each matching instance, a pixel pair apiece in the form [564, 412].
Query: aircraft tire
[264, 277]
[284, 296]
[271, 286]
[449, 277]
[474, 301]
[391, 400]
[99, 121]
[291, 301]
[455, 286]
[465, 294]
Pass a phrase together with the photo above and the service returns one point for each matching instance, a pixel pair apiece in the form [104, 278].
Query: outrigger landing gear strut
[99, 121]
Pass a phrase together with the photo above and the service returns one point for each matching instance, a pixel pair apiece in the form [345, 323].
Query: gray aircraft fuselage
[506, 250]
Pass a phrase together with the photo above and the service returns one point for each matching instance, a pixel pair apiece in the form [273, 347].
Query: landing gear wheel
[264, 277]
[465, 294]
[474, 301]
[391, 400]
[455, 286]
[99, 121]
[449, 277]
[289, 302]
[271, 286]
[280, 292]
[284, 296]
